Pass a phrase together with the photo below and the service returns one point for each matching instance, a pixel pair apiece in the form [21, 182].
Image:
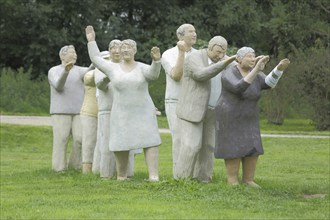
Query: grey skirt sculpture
[237, 118]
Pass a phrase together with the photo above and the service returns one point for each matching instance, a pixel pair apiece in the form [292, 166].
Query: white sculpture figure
[104, 160]
[237, 119]
[172, 62]
[133, 122]
[66, 98]
[197, 119]
[104, 102]
[88, 116]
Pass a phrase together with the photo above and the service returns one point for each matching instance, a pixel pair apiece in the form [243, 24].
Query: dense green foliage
[294, 186]
[33, 31]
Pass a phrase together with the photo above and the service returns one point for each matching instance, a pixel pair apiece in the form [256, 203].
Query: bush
[20, 94]
[314, 77]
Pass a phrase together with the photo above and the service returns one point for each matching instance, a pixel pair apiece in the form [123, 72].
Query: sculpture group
[210, 104]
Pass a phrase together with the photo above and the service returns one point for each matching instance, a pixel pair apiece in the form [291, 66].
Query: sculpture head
[68, 54]
[246, 58]
[128, 49]
[217, 48]
[187, 33]
[114, 49]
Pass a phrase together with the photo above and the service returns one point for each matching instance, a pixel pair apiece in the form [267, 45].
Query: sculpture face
[70, 56]
[115, 54]
[217, 53]
[248, 61]
[127, 52]
[190, 35]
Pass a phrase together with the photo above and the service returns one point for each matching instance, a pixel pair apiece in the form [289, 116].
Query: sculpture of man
[66, 98]
[172, 62]
[197, 119]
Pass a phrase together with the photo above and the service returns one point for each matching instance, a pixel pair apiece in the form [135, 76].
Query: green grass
[290, 169]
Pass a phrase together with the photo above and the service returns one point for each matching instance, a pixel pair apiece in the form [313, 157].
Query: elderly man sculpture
[197, 120]
[66, 98]
[172, 62]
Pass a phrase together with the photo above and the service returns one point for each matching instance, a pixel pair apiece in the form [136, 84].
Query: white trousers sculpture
[63, 126]
[173, 123]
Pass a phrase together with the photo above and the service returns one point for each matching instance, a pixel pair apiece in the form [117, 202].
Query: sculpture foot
[153, 179]
[252, 184]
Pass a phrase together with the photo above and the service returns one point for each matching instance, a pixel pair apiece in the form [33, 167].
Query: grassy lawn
[293, 173]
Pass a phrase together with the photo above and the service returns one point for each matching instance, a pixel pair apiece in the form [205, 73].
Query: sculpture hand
[69, 66]
[181, 45]
[90, 33]
[262, 61]
[155, 53]
[283, 64]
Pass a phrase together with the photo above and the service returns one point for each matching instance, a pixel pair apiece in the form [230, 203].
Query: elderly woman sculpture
[88, 115]
[133, 117]
[237, 123]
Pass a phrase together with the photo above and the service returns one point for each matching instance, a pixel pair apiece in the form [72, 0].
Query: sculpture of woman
[237, 121]
[133, 117]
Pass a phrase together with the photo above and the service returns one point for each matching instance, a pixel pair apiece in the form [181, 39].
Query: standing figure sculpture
[66, 98]
[133, 117]
[104, 102]
[197, 119]
[172, 62]
[237, 121]
[88, 116]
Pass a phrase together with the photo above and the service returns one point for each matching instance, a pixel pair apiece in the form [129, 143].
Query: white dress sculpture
[133, 117]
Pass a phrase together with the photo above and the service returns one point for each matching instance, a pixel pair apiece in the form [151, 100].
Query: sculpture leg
[89, 131]
[232, 167]
[203, 169]
[249, 167]
[75, 155]
[130, 166]
[151, 158]
[107, 160]
[97, 151]
[191, 143]
[61, 133]
[121, 163]
[173, 123]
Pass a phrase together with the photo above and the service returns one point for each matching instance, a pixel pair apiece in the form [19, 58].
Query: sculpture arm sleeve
[273, 77]
[57, 80]
[152, 72]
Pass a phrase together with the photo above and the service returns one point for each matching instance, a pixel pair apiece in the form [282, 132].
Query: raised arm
[95, 55]
[57, 80]
[153, 71]
[177, 70]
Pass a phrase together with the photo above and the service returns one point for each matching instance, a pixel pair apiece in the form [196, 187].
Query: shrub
[20, 94]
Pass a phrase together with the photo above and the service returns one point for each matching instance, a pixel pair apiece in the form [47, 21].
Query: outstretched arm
[274, 76]
[257, 68]
[210, 71]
